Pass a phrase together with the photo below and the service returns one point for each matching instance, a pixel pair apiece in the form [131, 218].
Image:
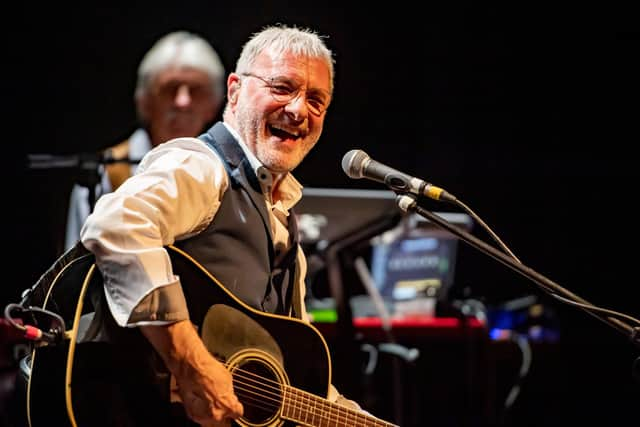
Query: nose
[297, 106]
[183, 96]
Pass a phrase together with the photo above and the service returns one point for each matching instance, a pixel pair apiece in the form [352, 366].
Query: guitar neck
[308, 409]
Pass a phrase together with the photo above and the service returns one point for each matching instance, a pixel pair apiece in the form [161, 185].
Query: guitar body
[111, 376]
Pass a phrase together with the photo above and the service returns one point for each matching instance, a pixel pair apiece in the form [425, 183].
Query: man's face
[279, 107]
[178, 102]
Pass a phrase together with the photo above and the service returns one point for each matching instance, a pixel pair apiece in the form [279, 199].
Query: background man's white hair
[182, 49]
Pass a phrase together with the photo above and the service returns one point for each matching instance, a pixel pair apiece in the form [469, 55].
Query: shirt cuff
[165, 304]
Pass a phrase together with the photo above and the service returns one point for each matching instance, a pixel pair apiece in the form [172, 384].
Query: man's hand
[204, 384]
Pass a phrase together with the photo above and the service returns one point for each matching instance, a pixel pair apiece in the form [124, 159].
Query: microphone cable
[488, 229]
[53, 333]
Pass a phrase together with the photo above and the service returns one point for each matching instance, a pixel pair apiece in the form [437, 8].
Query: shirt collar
[290, 189]
[139, 144]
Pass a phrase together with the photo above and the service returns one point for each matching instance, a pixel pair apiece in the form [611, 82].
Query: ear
[233, 88]
[142, 106]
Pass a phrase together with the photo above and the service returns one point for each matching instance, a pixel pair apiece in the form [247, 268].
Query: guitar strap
[294, 294]
[118, 171]
[36, 295]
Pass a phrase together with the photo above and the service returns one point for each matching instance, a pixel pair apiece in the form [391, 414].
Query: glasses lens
[284, 92]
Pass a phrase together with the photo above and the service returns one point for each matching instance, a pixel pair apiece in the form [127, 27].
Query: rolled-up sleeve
[174, 195]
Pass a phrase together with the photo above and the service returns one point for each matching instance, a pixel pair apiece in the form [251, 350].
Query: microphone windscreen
[353, 163]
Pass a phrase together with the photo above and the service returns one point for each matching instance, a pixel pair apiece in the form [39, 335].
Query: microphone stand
[85, 164]
[406, 203]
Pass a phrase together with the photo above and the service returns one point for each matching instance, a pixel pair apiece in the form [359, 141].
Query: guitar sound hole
[259, 389]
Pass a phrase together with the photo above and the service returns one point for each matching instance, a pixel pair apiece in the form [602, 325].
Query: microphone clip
[406, 202]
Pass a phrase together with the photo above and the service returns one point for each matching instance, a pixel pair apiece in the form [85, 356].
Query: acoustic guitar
[111, 376]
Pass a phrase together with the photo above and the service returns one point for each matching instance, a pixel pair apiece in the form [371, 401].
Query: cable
[493, 235]
[521, 341]
[33, 333]
[590, 307]
[525, 350]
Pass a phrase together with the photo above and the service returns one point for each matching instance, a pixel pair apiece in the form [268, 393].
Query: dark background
[528, 114]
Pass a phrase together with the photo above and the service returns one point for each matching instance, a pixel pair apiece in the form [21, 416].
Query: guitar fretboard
[308, 409]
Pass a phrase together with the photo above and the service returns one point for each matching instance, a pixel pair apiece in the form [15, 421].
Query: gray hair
[182, 49]
[281, 39]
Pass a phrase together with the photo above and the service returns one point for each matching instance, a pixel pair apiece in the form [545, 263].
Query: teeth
[294, 132]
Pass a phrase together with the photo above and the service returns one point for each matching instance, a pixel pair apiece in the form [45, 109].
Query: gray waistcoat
[236, 247]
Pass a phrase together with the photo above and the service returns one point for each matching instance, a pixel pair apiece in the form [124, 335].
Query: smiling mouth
[283, 133]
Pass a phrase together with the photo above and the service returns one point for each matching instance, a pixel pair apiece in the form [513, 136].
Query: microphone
[357, 164]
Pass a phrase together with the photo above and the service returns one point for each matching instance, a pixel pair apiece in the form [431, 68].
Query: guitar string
[328, 409]
[325, 408]
[316, 413]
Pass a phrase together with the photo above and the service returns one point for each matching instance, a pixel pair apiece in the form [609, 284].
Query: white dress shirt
[174, 194]
[79, 205]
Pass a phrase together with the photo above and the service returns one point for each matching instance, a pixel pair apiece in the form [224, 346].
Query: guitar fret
[298, 407]
[324, 415]
[312, 410]
[306, 401]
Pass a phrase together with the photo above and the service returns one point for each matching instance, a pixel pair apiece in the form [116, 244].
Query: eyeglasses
[284, 90]
[170, 89]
